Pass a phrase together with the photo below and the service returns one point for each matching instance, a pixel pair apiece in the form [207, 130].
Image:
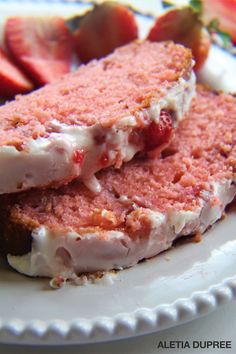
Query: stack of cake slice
[127, 107]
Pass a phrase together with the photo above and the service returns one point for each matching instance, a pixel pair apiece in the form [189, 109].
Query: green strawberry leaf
[213, 28]
[166, 4]
[196, 5]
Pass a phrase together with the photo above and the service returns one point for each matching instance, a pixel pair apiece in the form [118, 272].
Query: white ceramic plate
[184, 283]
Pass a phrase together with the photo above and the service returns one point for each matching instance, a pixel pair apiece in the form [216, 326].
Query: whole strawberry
[183, 25]
[103, 29]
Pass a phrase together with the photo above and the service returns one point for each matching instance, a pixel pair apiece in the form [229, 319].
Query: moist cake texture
[94, 117]
[142, 208]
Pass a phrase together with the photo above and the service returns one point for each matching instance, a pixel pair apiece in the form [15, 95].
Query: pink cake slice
[142, 208]
[93, 118]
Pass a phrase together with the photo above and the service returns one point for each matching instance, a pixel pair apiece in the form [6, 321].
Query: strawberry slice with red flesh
[103, 29]
[183, 25]
[160, 133]
[43, 47]
[12, 80]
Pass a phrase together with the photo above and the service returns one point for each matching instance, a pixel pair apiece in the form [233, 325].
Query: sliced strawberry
[103, 29]
[12, 80]
[225, 12]
[41, 46]
[160, 133]
[184, 26]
